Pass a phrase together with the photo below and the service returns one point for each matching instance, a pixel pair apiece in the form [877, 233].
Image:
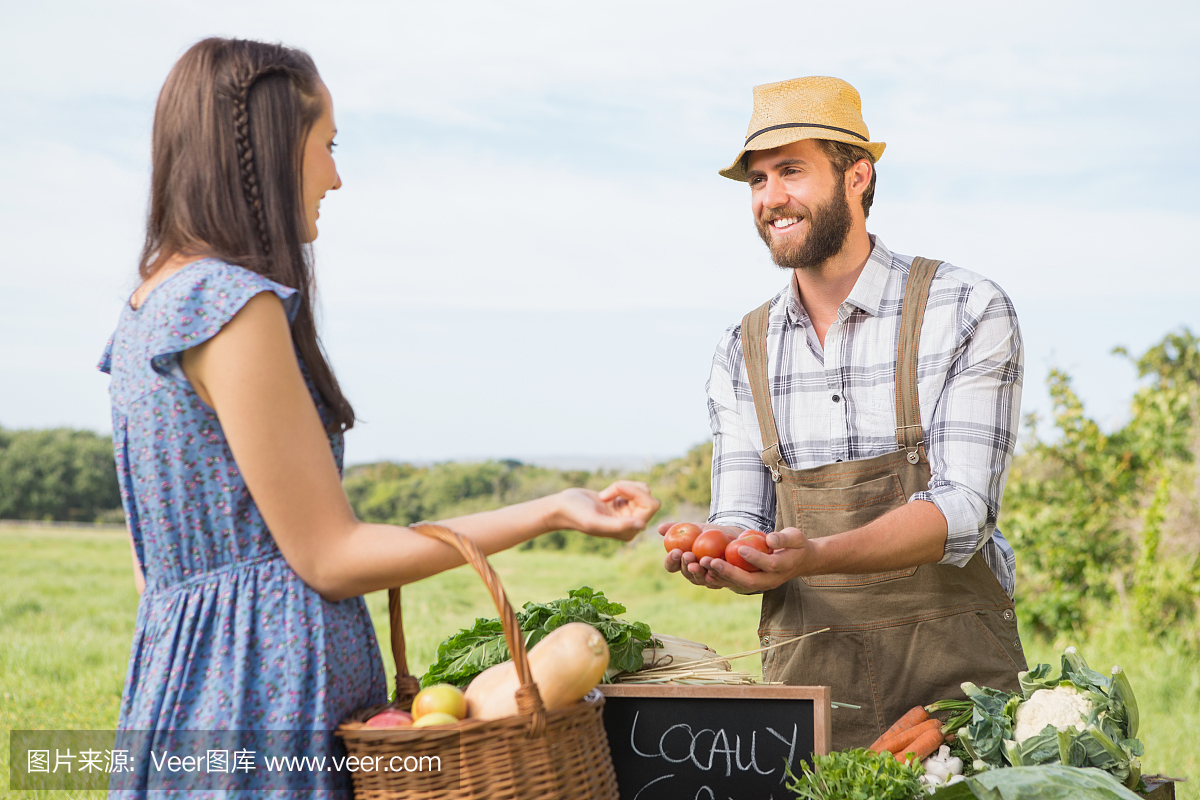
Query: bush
[58, 474]
[1108, 522]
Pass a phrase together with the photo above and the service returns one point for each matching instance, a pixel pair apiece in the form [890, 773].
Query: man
[866, 414]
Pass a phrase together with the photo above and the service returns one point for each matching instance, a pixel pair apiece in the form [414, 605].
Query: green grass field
[68, 603]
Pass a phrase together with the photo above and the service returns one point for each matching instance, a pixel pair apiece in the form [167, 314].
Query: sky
[533, 256]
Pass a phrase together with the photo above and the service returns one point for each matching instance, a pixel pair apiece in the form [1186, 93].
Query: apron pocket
[825, 512]
[929, 660]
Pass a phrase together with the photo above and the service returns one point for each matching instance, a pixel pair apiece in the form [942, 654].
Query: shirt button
[837, 398]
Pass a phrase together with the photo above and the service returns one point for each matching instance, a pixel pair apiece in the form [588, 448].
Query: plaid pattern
[839, 404]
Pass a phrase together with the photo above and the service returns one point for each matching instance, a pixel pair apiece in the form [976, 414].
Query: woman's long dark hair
[227, 149]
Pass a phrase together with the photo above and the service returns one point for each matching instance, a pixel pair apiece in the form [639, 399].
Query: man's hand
[908, 536]
[686, 563]
[792, 555]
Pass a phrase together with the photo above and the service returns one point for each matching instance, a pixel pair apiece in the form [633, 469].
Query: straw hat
[804, 108]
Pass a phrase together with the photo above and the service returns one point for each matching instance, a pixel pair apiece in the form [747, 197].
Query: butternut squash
[565, 666]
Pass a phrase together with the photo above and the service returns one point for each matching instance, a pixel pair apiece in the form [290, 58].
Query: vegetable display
[1078, 718]
[471, 651]
[919, 740]
[856, 774]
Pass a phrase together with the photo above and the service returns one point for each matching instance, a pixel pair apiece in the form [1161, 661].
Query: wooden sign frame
[822, 733]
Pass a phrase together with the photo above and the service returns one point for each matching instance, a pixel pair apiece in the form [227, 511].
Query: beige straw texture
[804, 108]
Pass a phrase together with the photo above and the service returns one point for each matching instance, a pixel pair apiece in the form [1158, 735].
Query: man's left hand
[792, 555]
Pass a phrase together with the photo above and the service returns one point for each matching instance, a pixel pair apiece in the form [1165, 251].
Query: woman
[228, 423]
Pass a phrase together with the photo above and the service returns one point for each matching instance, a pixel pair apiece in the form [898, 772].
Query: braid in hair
[245, 154]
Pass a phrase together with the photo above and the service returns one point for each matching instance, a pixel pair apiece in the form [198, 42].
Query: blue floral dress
[228, 637]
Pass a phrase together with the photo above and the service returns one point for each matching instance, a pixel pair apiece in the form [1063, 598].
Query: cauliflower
[1063, 707]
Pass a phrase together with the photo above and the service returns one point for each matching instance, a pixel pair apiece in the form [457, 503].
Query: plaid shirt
[839, 404]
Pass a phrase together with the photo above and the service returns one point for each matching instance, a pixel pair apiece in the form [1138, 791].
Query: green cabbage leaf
[1038, 783]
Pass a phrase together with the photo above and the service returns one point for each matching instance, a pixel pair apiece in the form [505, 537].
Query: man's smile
[785, 222]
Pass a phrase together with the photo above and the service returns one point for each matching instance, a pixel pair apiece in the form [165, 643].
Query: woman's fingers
[619, 511]
[631, 499]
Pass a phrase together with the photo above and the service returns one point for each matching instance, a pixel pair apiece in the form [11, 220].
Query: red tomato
[751, 532]
[680, 536]
[758, 543]
[711, 543]
[755, 535]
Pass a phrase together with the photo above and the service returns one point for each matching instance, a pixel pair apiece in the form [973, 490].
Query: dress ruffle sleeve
[200, 300]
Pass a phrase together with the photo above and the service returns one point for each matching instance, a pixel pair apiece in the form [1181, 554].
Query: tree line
[58, 474]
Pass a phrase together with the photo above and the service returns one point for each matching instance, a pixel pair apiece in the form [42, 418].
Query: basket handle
[529, 700]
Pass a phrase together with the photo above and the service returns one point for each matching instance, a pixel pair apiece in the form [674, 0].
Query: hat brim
[772, 139]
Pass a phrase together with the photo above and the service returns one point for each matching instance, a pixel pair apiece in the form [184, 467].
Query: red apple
[391, 718]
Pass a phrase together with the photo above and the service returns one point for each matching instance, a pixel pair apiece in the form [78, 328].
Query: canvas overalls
[896, 639]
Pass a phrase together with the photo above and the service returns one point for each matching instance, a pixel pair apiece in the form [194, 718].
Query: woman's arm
[249, 374]
[139, 578]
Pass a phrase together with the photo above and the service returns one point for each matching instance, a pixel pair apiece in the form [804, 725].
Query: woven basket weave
[535, 755]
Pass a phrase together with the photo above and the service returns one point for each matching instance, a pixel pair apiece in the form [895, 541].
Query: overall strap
[754, 354]
[909, 434]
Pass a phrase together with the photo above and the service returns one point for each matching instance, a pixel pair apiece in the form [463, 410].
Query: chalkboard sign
[712, 742]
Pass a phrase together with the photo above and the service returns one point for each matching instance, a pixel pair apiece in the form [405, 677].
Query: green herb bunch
[470, 651]
[856, 775]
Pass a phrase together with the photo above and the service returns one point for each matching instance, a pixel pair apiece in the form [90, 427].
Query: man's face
[799, 204]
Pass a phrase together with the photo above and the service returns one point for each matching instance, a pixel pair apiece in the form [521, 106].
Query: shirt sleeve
[973, 433]
[743, 493]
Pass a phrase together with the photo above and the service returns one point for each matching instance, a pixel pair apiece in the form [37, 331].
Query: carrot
[923, 746]
[914, 716]
[897, 742]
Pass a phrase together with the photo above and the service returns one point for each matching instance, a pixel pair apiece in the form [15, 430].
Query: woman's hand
[617, 512]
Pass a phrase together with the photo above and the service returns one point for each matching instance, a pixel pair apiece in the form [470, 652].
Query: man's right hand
[688, 563]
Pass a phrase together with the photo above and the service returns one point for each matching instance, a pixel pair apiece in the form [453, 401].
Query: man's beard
[828, 226]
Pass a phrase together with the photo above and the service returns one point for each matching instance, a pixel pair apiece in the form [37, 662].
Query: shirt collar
[868, 290]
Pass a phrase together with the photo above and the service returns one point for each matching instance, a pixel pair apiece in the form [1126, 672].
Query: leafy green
[626, 640]
[1037, 783]
[856, 775]
[470, 651]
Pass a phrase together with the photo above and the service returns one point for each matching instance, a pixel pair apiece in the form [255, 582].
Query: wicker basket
[536, 755]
